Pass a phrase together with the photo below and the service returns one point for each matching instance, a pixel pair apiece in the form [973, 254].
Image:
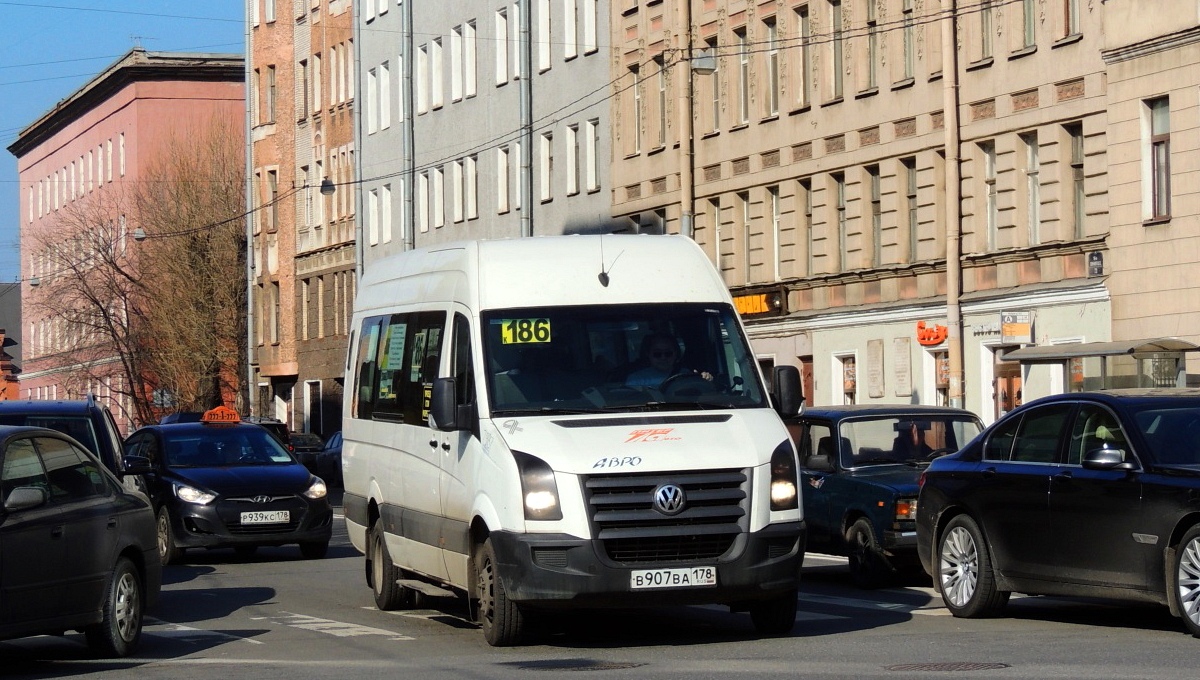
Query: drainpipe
[953, 207]
[251, 362]
[526, 116]
[410, 122]
[687, 151]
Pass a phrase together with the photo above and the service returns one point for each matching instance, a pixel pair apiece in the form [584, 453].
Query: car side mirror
[787, 392]
[1106, 458]
[25, 497]
[137, 465]
[820, 463]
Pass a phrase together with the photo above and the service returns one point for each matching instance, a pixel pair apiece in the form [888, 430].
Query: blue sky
[50, 49]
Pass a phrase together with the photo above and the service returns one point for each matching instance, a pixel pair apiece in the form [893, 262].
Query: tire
[314, 550]
[502, 620]
[869, 567]
[1187, 580]
[384, 575]
[119, 631]
[775, 617]
[964, 571]
[168, 552]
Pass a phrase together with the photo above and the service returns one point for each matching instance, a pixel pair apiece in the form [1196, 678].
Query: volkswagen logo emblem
[261, 499]
[669, 499]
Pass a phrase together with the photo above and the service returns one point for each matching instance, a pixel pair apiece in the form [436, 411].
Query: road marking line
[187, 633]
[929, 609]
[330, 627]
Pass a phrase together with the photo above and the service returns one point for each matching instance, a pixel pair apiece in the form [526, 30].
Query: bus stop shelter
[1157, 362]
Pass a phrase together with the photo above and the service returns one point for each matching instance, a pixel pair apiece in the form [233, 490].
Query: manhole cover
[575, 665]
[947, 667]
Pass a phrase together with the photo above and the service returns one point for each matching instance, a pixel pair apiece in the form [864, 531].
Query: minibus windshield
[600, 358]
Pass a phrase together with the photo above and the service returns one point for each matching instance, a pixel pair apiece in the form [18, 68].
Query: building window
[272, 200]
[502, 173]
[276, 313]
[909, 39]
[546, 165]
[876, 216]
[590, 39]
[373, 217]
[988, 151]
[422, 77]
[849, 380]
[305, 93]
[570, 35]
[777, 256]
[456, 63]
[593, 161]
[837, 47]
[1032, 187]
[543, 37]
[423, 201]
[435, 76]
[772, 67]
[501, 41]
[385, 213]
[986, 17]
[804, 197]
[714, 222]
[372, 97]
[471, 184]
[468, 65]
[457, 191]
[437, 199]
[910, 203]
[804, 86]
[714, 83]
[572, 160]
[662, 101]
[872, 45]
[270, 94]
[636, 122]
[747, 260]
[839, 206]
[385, 97]
[1029, 22]
[1075, 133]
[1160, 158]
[1071, 16]
[743, 76]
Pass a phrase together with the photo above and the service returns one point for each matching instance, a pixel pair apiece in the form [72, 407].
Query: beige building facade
[302, 224]
[840, 152]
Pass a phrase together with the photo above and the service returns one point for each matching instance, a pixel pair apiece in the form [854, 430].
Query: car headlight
[190, 494]
[539, 491]
[784, 494]
[317, 489]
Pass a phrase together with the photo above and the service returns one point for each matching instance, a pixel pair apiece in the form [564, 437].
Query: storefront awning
[1055, 353]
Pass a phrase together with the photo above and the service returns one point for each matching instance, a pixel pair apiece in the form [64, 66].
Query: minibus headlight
[784, 489]
[317, 490]
[539, 492]
[190, 494]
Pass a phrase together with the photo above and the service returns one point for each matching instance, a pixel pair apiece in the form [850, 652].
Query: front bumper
[559, 570]
[219, 525]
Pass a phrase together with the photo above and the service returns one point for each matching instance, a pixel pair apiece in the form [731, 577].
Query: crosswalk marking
[182, 633]
[931, 608]
[330, 627]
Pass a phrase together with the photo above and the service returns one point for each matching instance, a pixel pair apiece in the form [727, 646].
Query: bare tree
[145, 288]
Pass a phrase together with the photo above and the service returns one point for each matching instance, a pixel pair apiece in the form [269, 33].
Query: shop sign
[931, 335]
[1016, 328]
[765, 303]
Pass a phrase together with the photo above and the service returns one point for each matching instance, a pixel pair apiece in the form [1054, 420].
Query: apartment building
[302, 227]
[448, 150]
[874, 199]
[79, 165]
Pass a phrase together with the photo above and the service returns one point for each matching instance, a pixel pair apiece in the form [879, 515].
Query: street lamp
[327, 187]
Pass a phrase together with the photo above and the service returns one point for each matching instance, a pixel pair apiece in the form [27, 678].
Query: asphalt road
[276, 615]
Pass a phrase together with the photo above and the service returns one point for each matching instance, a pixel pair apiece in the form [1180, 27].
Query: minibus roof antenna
[604, 274]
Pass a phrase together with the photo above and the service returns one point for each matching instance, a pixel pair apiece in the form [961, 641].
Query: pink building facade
[86, 155]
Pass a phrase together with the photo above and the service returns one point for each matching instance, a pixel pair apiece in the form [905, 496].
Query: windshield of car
[903, 439]
[77, 427]
[618, 358]
[215, 446]
[306, 439]
[1173, 433]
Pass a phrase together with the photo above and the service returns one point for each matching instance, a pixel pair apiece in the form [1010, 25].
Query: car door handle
[112, 522]
[57, 532]
[446, 446]
[989, 472]
[1065, 475]
[433, 443]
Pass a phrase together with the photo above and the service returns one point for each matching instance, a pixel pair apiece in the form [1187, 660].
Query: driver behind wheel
[660, 354]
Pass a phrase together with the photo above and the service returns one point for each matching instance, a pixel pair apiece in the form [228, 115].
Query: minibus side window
[366, 373]
[408, 362]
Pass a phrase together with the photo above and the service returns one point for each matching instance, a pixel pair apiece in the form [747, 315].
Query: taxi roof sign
[221, 414]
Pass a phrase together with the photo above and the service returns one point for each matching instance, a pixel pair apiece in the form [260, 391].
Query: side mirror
[787, 393]
[25, 497]
[443, 410]
[137, 465]
[1105, 458]
[820, 463]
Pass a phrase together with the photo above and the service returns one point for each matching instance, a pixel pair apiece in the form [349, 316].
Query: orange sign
[752, 304]
[221, 414]
[931, 335]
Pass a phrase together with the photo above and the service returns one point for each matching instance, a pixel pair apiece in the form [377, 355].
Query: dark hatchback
[222, 483]
[77, 549]
[1084, 494]
[858, 474]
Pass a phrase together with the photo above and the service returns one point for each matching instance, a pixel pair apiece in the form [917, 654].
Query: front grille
[632, 531]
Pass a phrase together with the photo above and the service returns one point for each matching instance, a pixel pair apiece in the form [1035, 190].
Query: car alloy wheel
[959, 568]
[1187, 578]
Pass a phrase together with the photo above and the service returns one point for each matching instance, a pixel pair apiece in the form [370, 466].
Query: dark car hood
[247, 479]
[902, 478]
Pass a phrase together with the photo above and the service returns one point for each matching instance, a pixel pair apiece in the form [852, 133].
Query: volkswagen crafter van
[496, 445]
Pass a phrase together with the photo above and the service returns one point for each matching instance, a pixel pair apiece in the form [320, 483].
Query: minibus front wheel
[502, 620]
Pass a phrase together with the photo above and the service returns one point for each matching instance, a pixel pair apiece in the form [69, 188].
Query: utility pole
[953, 200]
